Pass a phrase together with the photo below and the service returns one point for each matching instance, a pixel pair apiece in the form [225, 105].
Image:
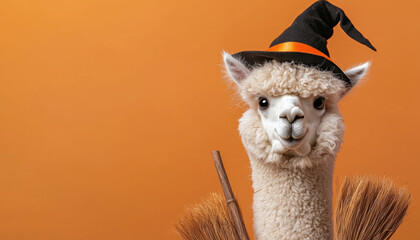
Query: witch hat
[305, 41]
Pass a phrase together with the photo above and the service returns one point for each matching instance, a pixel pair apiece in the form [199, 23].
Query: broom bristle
[208, 220]
[369, 208]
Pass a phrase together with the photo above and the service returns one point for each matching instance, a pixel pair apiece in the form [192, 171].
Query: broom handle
[230, 198]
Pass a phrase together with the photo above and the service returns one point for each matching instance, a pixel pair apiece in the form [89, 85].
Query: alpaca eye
[319, 103]
[263, 103]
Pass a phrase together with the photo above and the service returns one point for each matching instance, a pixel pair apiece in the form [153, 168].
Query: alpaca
[292, 132]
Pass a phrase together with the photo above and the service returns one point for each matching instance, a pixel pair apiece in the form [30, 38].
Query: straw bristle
[369, 208]
[208, 220]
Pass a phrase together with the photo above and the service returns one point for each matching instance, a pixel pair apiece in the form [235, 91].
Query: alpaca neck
[293, 195]
[292, 203]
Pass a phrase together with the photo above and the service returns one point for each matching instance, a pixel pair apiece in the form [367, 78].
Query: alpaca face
[292, 107]
[291, 122]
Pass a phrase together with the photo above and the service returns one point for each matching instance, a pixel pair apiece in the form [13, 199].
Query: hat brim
[252, 58]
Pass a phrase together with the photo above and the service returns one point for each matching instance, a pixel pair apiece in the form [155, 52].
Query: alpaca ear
[357, 73]
[236, 70]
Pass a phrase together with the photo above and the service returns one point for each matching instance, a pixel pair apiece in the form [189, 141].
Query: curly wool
[275, 79]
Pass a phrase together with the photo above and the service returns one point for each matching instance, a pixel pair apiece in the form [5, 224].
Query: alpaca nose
[292, 114]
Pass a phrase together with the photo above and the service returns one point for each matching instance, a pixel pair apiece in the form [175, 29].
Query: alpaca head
[293, 117]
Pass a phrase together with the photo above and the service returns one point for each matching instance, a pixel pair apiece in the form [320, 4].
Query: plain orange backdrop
[109, 109]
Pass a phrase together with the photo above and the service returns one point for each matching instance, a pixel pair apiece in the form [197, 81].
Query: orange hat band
[297, 47]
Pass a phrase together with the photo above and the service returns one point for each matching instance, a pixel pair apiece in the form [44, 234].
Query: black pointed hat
[305, 41]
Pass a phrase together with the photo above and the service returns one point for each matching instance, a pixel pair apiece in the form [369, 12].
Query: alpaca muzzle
[290, 137]
[295, 130]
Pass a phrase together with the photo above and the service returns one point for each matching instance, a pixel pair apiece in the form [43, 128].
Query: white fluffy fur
[293, 194]
[276, 79]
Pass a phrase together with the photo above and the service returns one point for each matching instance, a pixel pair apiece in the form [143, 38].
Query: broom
[369, 208]
[214, 218]
[208, 220]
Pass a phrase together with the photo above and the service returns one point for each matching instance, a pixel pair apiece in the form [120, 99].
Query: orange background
[110, 109]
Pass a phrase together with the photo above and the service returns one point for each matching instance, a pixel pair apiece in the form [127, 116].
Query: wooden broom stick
[230, 198]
